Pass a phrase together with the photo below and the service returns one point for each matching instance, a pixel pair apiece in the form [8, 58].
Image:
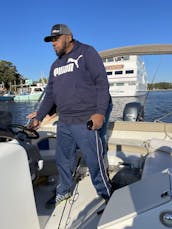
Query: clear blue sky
[102, 24]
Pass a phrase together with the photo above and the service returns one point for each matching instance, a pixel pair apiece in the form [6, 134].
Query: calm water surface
[157, 104]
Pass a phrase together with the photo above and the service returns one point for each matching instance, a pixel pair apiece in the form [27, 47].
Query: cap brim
[49, 38]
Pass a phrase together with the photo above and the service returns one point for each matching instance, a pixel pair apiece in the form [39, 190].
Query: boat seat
[159, 158]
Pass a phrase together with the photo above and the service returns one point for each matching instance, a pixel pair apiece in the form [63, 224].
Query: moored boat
[33, 94]
[7, 97]
[126, 75]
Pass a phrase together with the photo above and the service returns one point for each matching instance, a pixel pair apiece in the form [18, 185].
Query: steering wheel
[18, 129]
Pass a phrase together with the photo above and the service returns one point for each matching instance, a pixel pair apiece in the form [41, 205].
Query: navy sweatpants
[68, 138]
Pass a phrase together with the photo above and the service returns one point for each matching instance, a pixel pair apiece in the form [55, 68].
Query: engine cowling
[133, 112]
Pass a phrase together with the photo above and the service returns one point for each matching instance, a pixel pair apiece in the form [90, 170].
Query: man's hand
[32, 115]
[34, 123]
[98, 120]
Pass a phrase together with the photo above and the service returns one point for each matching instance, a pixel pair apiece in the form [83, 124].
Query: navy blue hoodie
[78, 85]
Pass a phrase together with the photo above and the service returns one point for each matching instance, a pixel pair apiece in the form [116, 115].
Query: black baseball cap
[58, 29]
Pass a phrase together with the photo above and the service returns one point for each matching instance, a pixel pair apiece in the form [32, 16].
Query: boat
[33, 93]
[138, 152]
[139, 165]
[7, 97]
[127, 75]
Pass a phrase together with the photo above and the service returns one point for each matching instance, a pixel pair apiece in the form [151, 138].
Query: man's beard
[60, 52]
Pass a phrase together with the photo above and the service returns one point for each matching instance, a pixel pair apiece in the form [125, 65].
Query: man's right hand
[32, 115]
[34, 123]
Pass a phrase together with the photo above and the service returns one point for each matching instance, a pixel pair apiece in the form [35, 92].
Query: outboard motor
[133, 112]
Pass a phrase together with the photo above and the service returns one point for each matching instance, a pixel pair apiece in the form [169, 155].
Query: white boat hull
[124, 93]
[29, 97]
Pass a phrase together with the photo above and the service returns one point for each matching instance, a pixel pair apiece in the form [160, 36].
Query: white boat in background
[32, 93]
[126, 75]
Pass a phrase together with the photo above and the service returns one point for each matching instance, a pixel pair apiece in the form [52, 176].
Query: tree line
[10, 76]
[9, 73]
[159, 86]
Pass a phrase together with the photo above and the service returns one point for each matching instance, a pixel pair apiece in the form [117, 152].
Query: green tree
[9, 73]
[160, 85]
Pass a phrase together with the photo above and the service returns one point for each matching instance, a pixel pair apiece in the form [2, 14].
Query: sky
[102, 24]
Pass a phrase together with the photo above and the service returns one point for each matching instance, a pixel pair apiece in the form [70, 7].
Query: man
[78, 86]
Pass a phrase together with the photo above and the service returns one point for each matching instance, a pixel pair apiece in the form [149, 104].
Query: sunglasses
[55, 38]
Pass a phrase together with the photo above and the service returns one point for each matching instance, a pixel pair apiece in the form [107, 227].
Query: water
[19, 110]
[157, 104]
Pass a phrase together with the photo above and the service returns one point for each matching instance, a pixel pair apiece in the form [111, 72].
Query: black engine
[133, 112]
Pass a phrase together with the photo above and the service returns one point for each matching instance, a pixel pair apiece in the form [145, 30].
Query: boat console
[41, 160]
[18, 209]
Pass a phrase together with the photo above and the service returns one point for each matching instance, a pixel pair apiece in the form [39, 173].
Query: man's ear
[70, 38]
